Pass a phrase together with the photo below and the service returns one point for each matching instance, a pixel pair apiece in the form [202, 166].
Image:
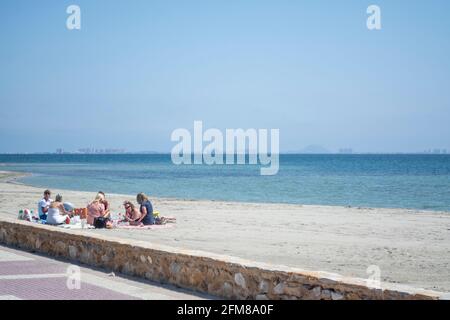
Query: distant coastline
[281, 153]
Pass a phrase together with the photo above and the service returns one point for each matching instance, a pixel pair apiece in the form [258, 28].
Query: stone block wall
[222, 276]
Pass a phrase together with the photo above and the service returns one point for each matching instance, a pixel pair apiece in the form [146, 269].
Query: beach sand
[409, 246]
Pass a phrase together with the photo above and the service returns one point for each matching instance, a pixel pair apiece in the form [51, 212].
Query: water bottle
[33, 216]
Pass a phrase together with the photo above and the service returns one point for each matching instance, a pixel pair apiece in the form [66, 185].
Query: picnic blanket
[142, 227]
[75, 226]
[78, 226]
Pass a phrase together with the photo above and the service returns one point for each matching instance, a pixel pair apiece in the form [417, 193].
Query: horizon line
[246, 153]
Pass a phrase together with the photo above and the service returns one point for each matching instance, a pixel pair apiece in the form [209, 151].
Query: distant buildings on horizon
[312, 149]
[435, 151]
[308, 150]
[102, 151]
[92, 151]
[316, 149]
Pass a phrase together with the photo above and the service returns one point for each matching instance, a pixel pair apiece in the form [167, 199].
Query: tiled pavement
[31, 276]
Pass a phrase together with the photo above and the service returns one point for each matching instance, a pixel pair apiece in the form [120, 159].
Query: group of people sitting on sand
[98, 211]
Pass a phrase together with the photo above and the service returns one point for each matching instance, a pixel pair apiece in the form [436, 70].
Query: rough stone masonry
[219, 275]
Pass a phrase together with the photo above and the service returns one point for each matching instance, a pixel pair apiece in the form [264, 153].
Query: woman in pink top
[96, 209]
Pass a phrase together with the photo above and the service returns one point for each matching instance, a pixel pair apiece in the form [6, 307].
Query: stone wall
[218, 275]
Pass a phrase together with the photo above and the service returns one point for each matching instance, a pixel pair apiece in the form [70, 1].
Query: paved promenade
[34, 277]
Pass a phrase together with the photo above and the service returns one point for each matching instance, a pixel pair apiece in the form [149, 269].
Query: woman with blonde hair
[56, 213]
[146, 210]
[104, 201]
[96, 209]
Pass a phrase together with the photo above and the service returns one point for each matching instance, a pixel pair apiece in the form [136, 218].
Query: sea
[380, 181]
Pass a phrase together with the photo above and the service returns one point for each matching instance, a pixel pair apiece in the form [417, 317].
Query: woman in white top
[56, 213]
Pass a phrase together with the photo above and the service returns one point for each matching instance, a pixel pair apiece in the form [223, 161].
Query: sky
[137, 70]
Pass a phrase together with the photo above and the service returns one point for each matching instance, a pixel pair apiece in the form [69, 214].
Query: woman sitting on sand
[96, 209]
[132, 214]
[146, 210]
[56, 213]
[104, 201]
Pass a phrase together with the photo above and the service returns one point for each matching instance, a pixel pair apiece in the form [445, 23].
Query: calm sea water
[396, 181]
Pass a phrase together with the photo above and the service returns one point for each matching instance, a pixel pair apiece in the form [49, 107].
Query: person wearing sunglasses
[132, 214]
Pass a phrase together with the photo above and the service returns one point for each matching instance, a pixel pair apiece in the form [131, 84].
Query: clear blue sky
[139, 69]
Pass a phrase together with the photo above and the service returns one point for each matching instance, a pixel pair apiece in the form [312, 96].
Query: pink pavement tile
[30, 267]
[56, 289]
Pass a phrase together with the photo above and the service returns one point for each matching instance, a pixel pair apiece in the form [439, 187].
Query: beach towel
[76, 226]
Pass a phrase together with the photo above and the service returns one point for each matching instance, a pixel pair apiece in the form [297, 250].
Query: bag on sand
[100, 222]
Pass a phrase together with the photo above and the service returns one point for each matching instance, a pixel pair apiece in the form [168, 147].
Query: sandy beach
[409, 246]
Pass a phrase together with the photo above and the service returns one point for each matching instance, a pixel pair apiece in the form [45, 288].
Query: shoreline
[15, 175]
[346, 241]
